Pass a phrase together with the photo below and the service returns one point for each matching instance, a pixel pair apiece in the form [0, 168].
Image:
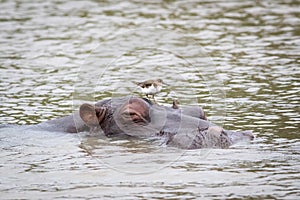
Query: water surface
[239, 60]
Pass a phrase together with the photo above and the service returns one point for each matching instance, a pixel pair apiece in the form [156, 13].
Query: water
[239, 60]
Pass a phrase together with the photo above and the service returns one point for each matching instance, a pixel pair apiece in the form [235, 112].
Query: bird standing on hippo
[151, 87]
[185, 128]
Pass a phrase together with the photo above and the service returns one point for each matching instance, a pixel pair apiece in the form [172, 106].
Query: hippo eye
[134, 117]
[132, 114]
[129, 114]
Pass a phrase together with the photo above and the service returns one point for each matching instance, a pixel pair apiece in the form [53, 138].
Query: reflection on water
[54, 51]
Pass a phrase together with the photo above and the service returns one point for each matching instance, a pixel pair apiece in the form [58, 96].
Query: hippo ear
[194, 111]
[91, 114]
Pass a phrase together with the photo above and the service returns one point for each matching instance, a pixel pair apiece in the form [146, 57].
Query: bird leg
[154, 99]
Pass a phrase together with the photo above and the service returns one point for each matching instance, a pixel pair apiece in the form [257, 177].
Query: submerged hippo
[185, 128]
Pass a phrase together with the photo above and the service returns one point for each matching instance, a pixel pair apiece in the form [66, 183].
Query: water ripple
[254, 46]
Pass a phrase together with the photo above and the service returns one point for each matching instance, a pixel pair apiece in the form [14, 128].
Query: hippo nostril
[249, 134]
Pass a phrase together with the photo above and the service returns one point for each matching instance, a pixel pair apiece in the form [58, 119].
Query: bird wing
[144, 84]
[148, 83]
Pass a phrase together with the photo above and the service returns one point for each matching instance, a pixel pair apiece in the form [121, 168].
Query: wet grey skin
[185, 128]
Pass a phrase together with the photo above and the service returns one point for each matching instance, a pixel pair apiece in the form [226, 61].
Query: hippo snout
[239, 136]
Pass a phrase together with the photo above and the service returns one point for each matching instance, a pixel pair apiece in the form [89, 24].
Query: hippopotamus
[185, 128]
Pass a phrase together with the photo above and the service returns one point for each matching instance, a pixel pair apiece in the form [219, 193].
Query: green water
[238, 59]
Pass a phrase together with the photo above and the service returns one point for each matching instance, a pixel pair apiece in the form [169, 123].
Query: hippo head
[130, 116]
[184, 128]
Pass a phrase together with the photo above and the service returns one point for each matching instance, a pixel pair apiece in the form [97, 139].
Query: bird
[175, 104]
[151, 87]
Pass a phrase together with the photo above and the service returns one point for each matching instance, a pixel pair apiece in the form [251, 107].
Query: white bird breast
[151, 90]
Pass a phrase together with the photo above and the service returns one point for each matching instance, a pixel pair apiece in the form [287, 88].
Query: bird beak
[165, 83]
